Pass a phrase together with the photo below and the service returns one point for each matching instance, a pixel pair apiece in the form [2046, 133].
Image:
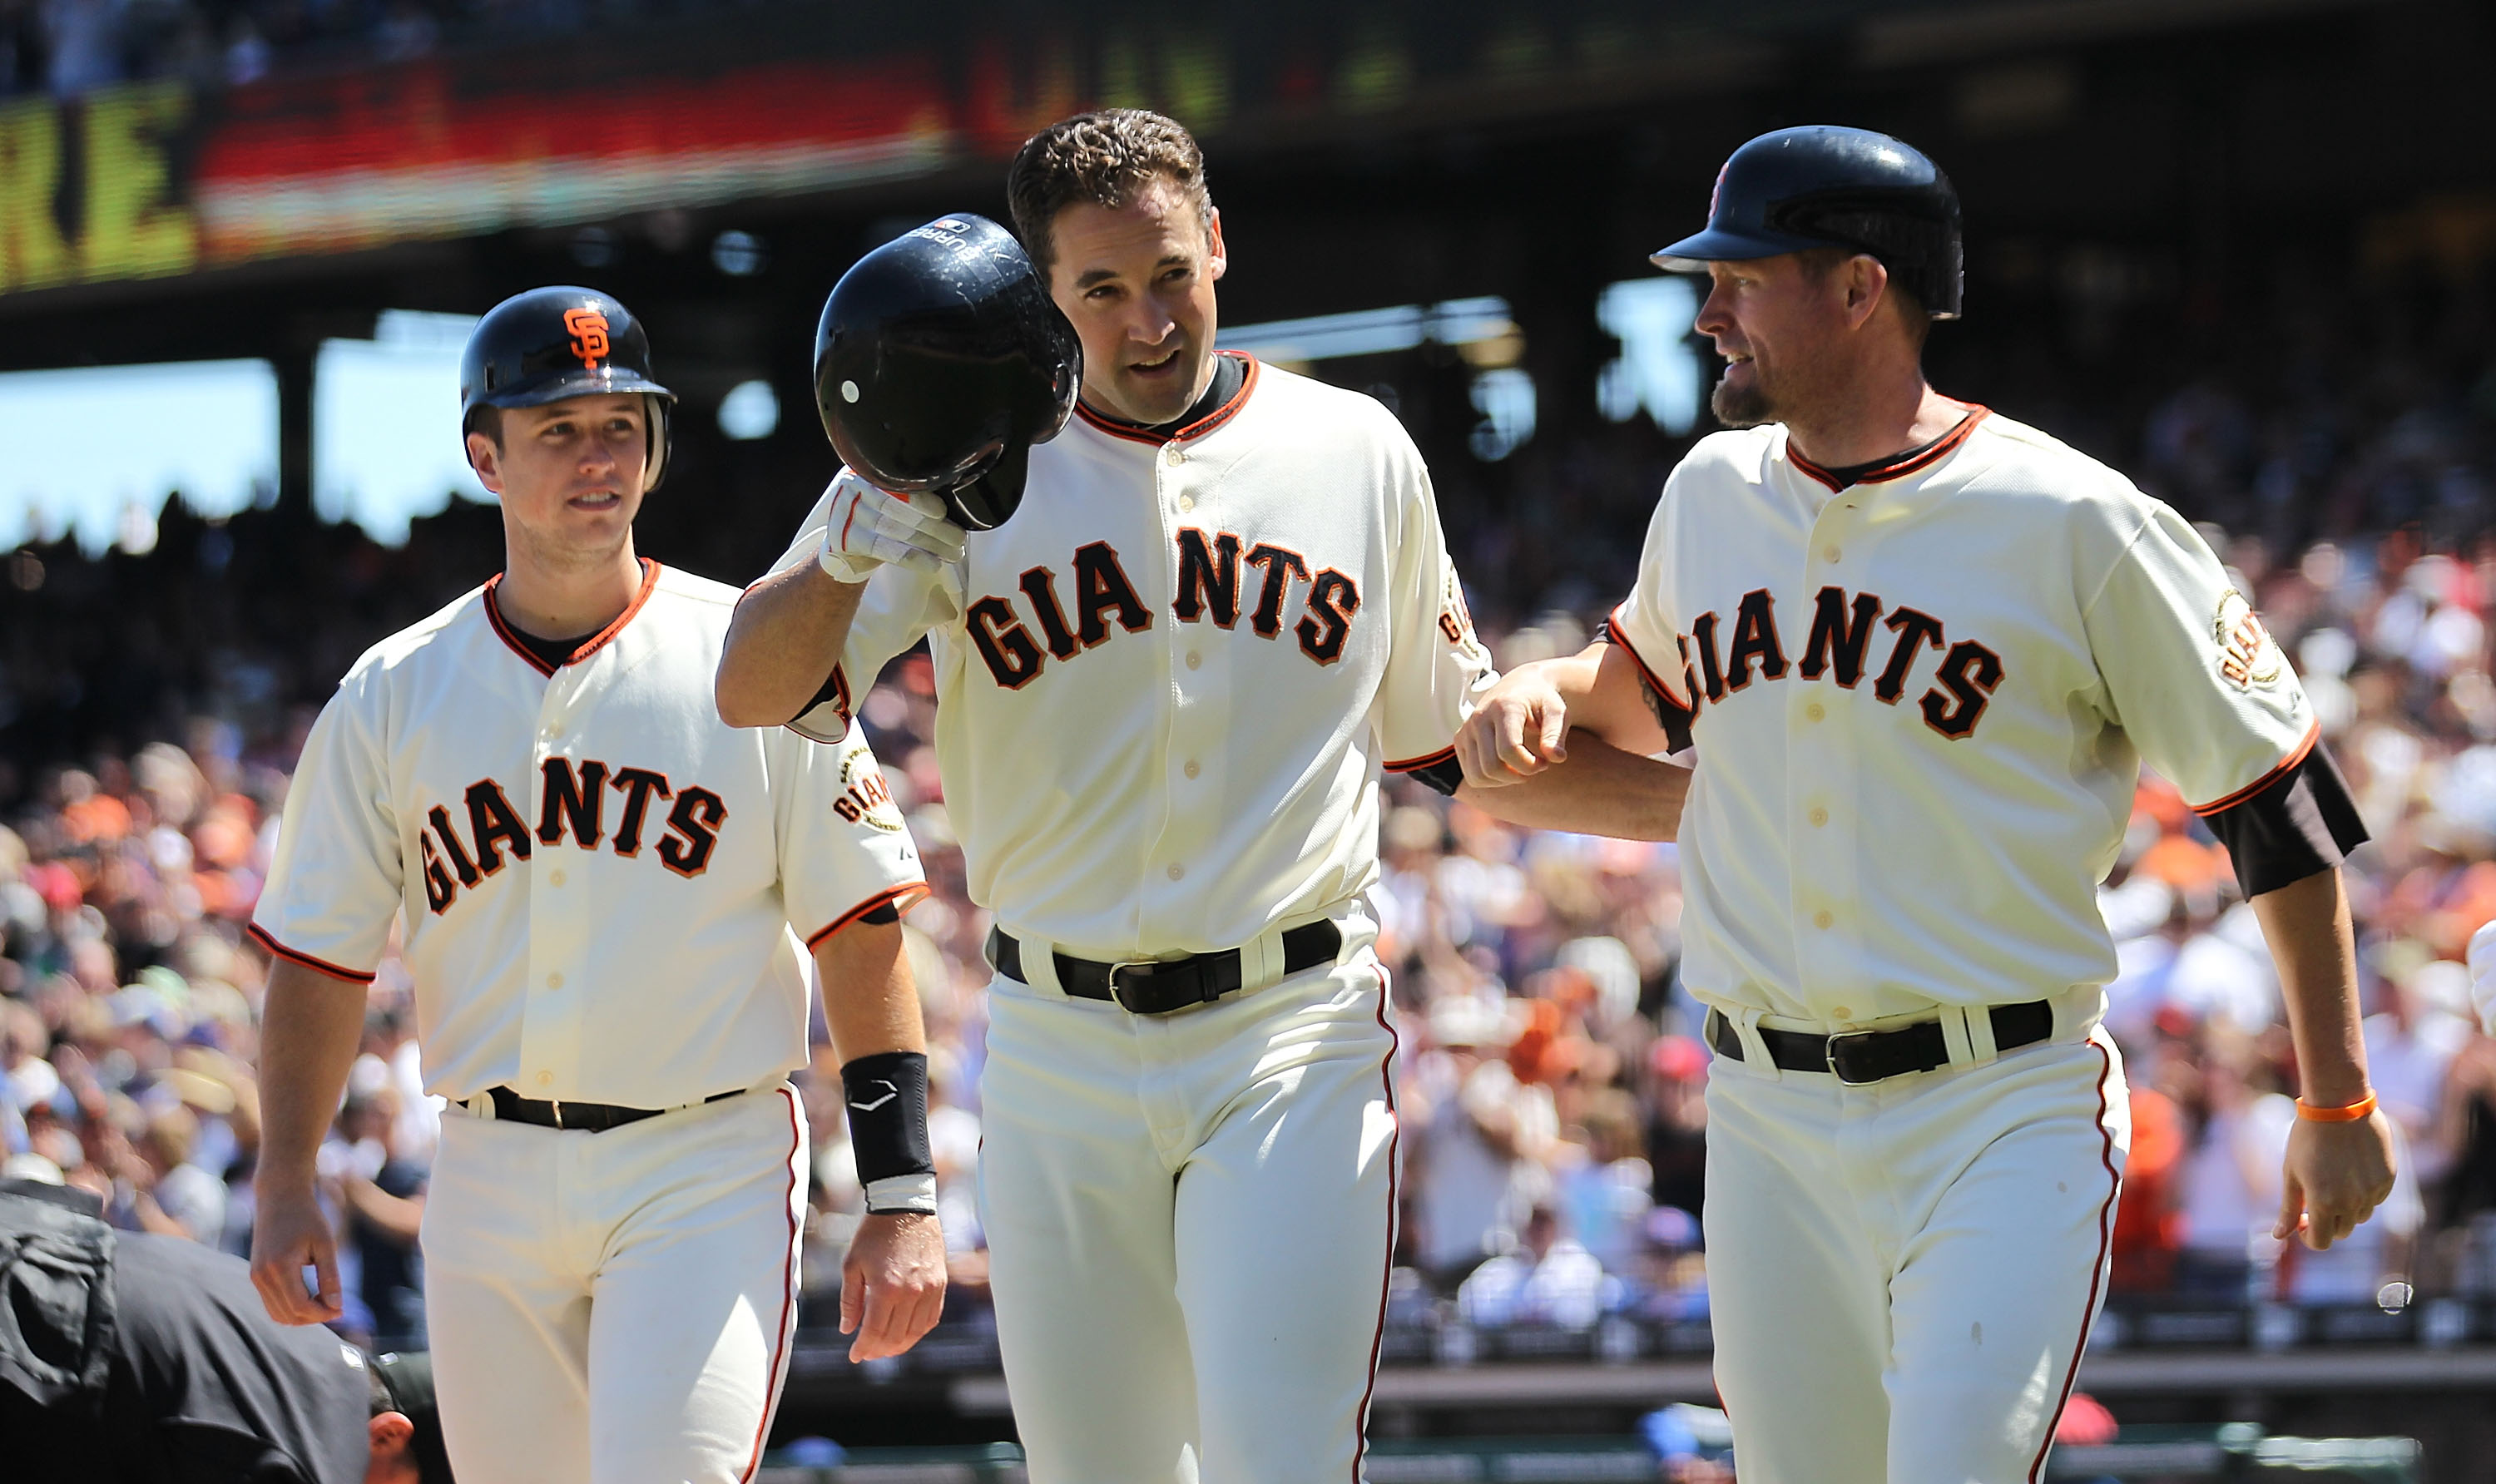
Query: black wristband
[887, 1094]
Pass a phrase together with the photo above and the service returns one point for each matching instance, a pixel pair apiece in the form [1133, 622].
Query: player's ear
[1867, 282]
[1217, 257]
[487, 459]
[388, 1435]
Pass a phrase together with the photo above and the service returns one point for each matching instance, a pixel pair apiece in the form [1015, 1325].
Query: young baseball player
[605, 896]
[1168, 686]
[1920, 651]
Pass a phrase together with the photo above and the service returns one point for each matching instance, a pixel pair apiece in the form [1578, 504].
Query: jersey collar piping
[1193, 430]
[1904, 464]
[593, 644]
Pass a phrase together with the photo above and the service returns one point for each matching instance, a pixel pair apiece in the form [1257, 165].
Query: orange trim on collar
[1193, 430]
[1904, 464]
[590, 646]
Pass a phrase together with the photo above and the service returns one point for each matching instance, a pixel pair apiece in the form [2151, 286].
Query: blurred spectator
[1545, 1279]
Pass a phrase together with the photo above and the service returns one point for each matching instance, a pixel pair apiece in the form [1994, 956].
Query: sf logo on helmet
[588, 329]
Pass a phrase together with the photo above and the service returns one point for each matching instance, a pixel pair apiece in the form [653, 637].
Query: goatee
[1740, 407]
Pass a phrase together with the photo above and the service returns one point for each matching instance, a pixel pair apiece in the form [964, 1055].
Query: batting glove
[2483, 976]
[869, 528]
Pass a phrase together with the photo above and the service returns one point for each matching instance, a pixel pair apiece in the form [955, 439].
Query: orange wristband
[2348, 1115]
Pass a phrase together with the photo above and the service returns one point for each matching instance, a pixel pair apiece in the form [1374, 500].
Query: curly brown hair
[1106, 157]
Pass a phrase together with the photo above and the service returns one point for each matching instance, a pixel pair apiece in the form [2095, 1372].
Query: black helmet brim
[581, 384]
[1693, 254]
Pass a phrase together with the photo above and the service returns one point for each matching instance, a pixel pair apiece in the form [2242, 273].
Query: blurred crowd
[1550, 1074]
[71, 47]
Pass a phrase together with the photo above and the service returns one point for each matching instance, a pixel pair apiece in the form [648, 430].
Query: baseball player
[605, 898]
[1919, 651]
[1168, 681]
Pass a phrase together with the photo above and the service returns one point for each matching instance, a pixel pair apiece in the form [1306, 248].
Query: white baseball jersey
[599, 878]
[1166, 685]
[1920, 703]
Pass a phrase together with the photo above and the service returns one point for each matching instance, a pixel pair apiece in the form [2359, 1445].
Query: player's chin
[1159, 393]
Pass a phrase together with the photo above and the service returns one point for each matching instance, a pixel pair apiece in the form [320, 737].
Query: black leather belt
[1157, 987]
[1858, 1056]
[579, 1117]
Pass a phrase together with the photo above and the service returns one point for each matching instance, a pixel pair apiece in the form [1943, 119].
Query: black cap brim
[1692, 255]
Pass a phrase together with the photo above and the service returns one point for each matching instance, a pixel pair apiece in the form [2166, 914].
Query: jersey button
[1186, 503]
[1819, 816]
[554, 981]
[554, 878]
[1815, 711]
[1842, 1011]
[1175, 454]
[1823, 920]
[1829, 553]
[1194, 659]
[1175, 871]
[546, 1079]
[1191, 770]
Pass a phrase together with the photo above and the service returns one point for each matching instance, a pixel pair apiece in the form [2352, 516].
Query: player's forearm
[2306, 923]
[870, 1002]
[785, 637]
[311, 1025]
[1599, 790]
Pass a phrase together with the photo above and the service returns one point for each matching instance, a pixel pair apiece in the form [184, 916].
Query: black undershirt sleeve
[1668, 713]
[1441, 776]
[2301, 822]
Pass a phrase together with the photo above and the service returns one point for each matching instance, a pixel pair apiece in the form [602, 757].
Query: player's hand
[893, 1283]
[870, 528]
[2336, 1175]
[1521, 728]
[288, 1234]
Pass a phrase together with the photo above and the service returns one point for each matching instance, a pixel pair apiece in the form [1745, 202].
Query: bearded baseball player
[605, 898]
[1918, 653]
[1168, 680]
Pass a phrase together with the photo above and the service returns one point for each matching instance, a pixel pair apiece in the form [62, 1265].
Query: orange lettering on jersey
[1914, 629]
[1208, 587]
[1208, 578]
[589, 335]
[1837, 639]
[579, 799]
[693, 831]
[1040, 585]
[493, 824]
[1333, 598]
[1964, 680]
[1102, 589]
[1754, 643]
[1280, 564]
[1969, 673]
[1003, 643]
[637, 786]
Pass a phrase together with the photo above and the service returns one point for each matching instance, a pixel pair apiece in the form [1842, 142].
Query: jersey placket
[1198, 672]
[558, 908]
[1823, 787]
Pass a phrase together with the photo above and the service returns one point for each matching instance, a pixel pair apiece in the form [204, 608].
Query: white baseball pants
[1189, 1221]
[614, 1306]
[1902, 1275]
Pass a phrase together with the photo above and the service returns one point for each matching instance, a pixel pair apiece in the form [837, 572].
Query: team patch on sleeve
[1456, 621]
[2248, 656]
[866, 798]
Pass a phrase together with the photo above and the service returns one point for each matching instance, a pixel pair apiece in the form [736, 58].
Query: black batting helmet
[1824, 185]
[549, 344]
[940, 360]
